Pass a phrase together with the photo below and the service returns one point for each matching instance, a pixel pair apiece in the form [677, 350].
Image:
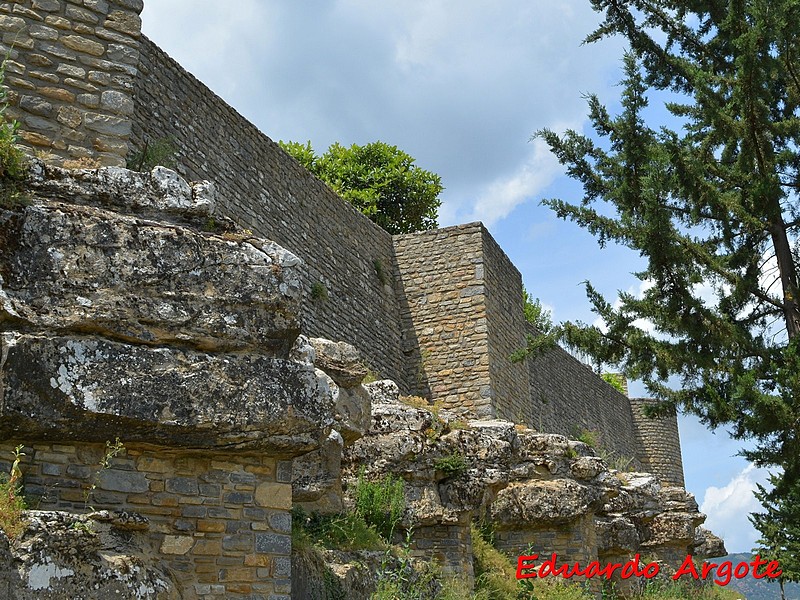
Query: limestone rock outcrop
[538, 492]
[146, 364]
[316, 478]
[103, 555]
[142, 323]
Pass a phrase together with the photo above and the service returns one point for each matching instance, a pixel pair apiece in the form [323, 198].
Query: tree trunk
[786, 268]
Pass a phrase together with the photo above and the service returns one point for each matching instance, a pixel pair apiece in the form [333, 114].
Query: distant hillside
[758, 589]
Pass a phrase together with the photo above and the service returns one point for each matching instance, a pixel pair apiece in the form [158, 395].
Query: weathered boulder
[353, 412]
[91, 389]
[555, 502]
[340, 361]
[81, 268]
[103, 556]
[317, 477]
[707, 545]
[161, 193]
[539, 491]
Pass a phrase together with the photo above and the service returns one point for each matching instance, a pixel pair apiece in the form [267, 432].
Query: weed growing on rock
[588, 437]
[342, 531]
[12, 504]
[112, 451]
[451, 465]
[380, 271]
[319, 293]
[381, 503]
[160, 152]
[13, 162]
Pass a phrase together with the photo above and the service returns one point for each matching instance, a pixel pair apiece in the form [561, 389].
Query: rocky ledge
[120, 314]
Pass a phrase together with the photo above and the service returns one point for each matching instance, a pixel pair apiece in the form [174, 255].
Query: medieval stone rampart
[658, 443]
[567, 397]
[444, 316]
[439, 312]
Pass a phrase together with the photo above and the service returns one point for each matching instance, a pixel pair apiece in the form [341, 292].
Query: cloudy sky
[461, 85]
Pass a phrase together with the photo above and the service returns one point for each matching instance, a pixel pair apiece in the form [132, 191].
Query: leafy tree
[536, 314]
[547, 332]
[712, 205]
[779, 527]
[379, 180]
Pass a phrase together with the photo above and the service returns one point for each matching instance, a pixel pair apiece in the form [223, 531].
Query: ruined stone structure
[197, 317]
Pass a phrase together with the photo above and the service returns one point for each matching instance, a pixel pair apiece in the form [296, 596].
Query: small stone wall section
[450, 546]
[220, 521]
[659, 443]
[349, 293]
[567, 397]
[70, 75]
[507, 326]
[444, 315]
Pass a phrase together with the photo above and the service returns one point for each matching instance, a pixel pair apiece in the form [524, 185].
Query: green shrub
[452, 465]
[588, 437]
[319, 293]
[13, 162]
[343, 531]
[684, 590]
[381, 503]
[495, 575]
[615, 380]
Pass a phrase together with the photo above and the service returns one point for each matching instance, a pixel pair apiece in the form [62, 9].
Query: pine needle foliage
[711, 205]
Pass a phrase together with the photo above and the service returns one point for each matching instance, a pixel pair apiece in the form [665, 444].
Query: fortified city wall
[439, 312]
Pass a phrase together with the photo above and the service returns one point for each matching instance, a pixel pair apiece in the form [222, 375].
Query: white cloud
[503, 195]
[458, 84]
[727, 508]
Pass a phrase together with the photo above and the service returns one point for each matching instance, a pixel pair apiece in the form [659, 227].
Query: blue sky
[461, 85]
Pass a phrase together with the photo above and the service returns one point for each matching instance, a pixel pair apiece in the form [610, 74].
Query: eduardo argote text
[722, 573]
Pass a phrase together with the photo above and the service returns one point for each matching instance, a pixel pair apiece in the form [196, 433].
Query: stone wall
[220, 521]
[507, 326]
[567, 397]
[450, 545]
[659, 443]
[439, 312]
[444, 316]
[70, 75]
[349, 289]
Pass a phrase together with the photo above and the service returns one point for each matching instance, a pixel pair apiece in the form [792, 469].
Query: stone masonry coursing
[659, 443]
[220, 521]
[567, 397]
[70, 68]
[444, 317]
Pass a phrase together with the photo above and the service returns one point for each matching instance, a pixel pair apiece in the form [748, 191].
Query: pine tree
[779, 527]
[712, 205]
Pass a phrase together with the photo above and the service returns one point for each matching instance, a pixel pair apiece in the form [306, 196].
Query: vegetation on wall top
[380, 180]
